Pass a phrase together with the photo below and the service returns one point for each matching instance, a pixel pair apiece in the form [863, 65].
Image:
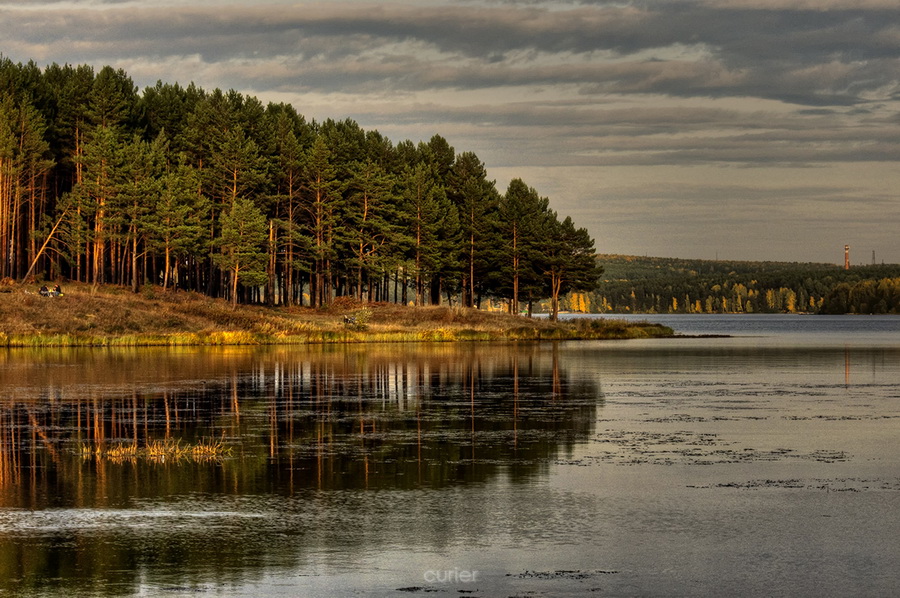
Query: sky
[714, 129]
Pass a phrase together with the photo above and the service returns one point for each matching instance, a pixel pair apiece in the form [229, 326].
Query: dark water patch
[871, 417]
[690, 448]
[827, 485]
[561, 574]
[826, 456]
[687, 418]
[563, 582]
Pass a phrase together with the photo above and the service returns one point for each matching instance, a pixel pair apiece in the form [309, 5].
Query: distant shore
[113, 316]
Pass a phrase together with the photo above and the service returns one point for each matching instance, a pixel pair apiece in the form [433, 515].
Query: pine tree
[370, 219]
[322, 204]
[24, 161]
[164, 108]
[523, 217]
[476, 200]
[288, 136]
[426, 207]
[568, 259]
[112, 100]
[243, 234]
[138, 194]
[179, 222]
[237, 168]
[101, 164]
[71, 89]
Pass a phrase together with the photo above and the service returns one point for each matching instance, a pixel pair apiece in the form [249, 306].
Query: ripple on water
[20, 521]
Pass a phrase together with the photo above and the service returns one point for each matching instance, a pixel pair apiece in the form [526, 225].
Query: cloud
[703, 212]
[801, 55]
[550, 67]
[579, 95]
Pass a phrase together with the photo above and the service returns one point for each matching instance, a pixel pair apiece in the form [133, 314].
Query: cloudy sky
[737, 129]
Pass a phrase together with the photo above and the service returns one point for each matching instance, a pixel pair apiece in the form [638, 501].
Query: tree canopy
[634, 284]
[215, 192]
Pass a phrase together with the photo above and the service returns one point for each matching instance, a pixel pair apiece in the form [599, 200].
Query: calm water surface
[761, 464]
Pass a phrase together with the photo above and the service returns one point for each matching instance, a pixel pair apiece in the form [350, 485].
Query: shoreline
[111, 316]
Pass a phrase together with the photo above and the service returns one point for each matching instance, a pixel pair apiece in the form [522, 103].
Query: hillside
[632, 284]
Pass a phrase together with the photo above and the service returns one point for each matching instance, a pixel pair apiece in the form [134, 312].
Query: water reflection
[76, 507]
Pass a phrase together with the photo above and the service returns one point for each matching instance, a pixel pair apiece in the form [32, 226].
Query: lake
[760, 464]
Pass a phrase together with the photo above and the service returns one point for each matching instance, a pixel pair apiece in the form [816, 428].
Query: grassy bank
[112, 316]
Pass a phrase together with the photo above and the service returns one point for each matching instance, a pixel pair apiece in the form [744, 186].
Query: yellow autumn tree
[790, 301]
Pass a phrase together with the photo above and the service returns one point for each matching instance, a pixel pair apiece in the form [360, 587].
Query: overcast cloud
[743, 129]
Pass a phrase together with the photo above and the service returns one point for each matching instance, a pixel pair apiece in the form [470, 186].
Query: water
[759, 464]
[779, 327]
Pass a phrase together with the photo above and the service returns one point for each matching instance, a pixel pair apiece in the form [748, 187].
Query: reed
[209, 450]
[604, 328]
[122, 452]
[157, 451]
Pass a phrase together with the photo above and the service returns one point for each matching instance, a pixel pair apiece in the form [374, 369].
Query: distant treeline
[666, 285]
[869, 296]
[218, 193]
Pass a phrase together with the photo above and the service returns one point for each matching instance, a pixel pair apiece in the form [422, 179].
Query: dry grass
[158, 451]
[109, 315]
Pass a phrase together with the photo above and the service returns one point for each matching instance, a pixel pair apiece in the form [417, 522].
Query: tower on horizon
[846, 257]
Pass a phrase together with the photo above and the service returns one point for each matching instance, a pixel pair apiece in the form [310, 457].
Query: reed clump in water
[621, 329]
[158, 451]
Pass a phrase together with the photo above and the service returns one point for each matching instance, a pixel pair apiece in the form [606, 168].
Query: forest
[633, 284]
[215, 192]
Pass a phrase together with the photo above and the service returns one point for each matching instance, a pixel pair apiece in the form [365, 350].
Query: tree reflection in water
[296, 420]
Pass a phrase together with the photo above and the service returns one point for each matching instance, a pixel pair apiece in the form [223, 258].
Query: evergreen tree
[289, 137]
[448, 264]
[237, 167]
[438, 154]
[138, 193]
[24, 161]
[71, 89]
[243, 234]
[112, 100]
[164, 108]
[523, 215]
[179, 221]
[323, 204]
[73, 232]
[425, 207]
[101, 164]
[476, 200]
[568, 259]
[370, 218]
[9, 173]
[380, 151]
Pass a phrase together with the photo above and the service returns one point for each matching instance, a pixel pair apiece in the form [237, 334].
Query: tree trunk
[270, 286]
[514, 304]
[234, 285]
[469, 293]
[555, 284]
[134, 265]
